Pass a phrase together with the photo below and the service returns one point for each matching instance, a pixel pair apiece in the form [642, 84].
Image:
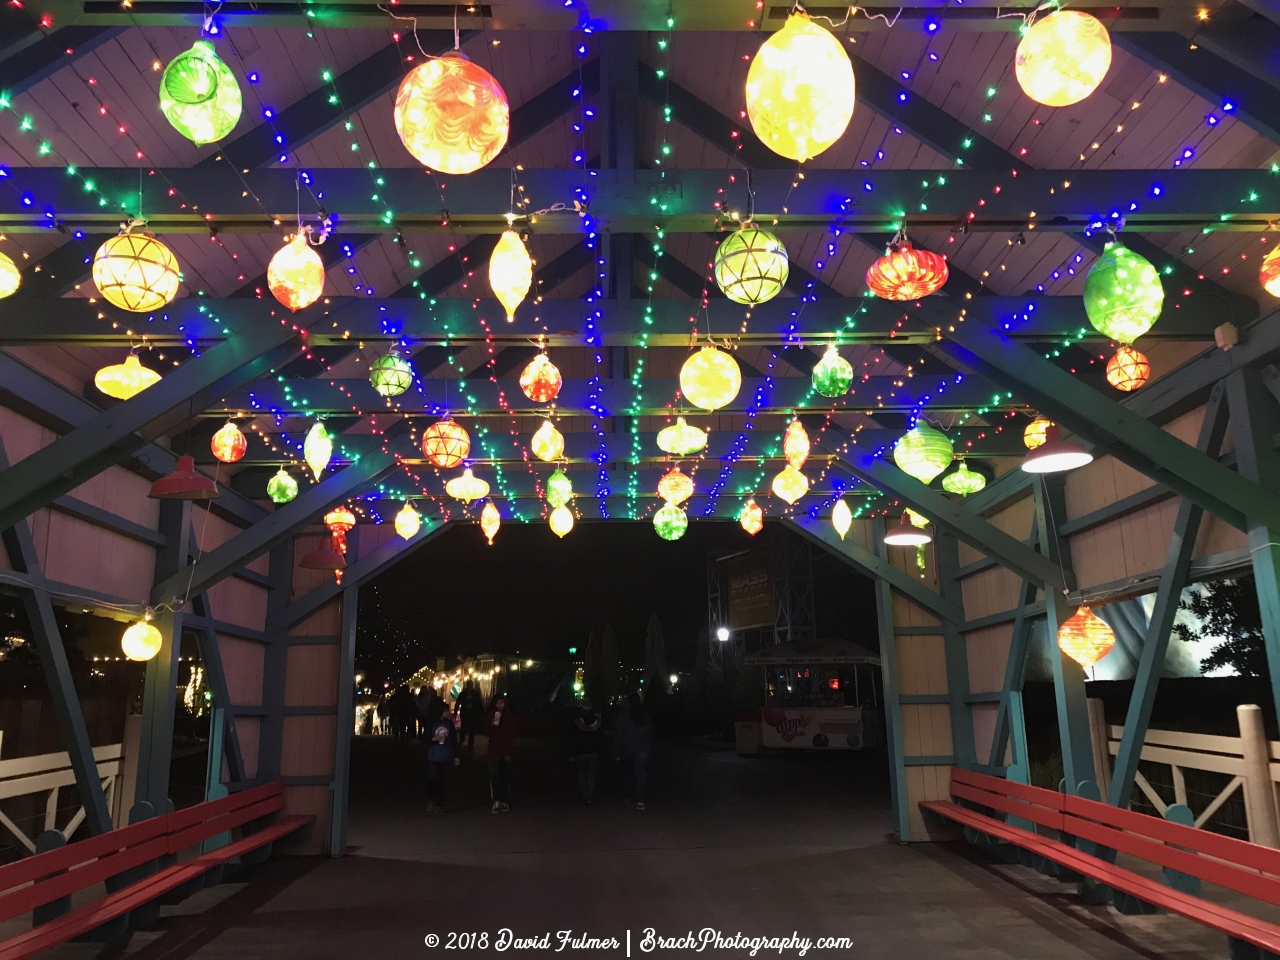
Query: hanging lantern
[1268, 273]
[675, 487]
[923, 452]
[1033, 436]
[408, 522]
[795, 444]
[561, 521]
[391, 374]
[833, 374]
[228, 444]
[467, 487]
[199, 95]
[142, 641]
[1122, 294]
[800, 90]
[1128, 369]
[1062, 58]
[125, 380]
[670, 522]
[510, 272]
[751, 265]
[184, 483]
[10, 276]
[1056, 455]
[905, 273]
[710, 378]
[451, 114]
[446, 444]
[841, 517]
[540, 380]
[680, 439]
[964, 481]
[547, 443]
[339, 520]
[1085, 637]
[317, 448]
[282, 488]
[295, 274]
[559, 489]
[136, 272]
[790, 484]
[490, 521]
[906, 534]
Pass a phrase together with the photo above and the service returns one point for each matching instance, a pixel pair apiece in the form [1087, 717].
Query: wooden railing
[50, 772]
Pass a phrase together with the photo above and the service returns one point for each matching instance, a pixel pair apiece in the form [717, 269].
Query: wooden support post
[889, 683]
[1259, 791]
[346, 719]
[216, 678]
[947, 552]
[1009, 722]
[271, 732]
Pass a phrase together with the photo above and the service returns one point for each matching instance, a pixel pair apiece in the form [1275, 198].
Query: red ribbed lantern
[339, 520]
[1128, 369]
[906, 273]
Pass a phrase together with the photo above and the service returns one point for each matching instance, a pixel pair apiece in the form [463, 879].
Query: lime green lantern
[682, 440]
[282, 488]
[923, 452]
[559, 489]
[751, 265]
[391, 374]
[199, 94]
[670, 522]
[1122, 294]
[833, 374]
[964, 481]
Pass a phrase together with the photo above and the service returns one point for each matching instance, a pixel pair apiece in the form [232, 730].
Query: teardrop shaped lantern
[282, 488]
[751, 518]
[1034, 435]
[795, 444]
[560, 521]
[1123, 295]
[841, 517]
[964, 481]
[751, 265]
[199, 95]
[680, 439]
[790, 484]
[446, 444]
[10, 276]
[451, 114]
[547, 442]
[540, 381]
[228, 444]
[295, 274]
[675, 487]
[1269, 272]
[1128, 369]
[391, 374]
[1085, 637]
[467, 487]
[510, 272]
[833, 374]
[670, 522]
[317, 448]
[340, 521]
[1062, 58]
[408, 522]
[136, 272]
[905, 273]
[559, 489]
[923, 452]
[710, 378]
[490, 521]
[125, 380]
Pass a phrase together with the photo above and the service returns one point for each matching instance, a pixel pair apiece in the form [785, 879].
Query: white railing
[50, 772]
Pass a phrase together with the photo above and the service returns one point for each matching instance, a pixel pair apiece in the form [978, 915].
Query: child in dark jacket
[443, 739]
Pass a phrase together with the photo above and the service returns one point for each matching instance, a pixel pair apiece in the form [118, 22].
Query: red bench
[1058, 821]
[140, 866]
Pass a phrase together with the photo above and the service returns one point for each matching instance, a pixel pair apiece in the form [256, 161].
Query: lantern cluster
[559, 493]
[790, 484]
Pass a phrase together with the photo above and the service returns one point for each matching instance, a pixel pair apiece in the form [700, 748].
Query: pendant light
[680, 439]
[561, 521]
[906, 535]
[1062, 57]
[134, 271]
[324, 557]
[282, 488]
[1056, 455]
[199, 95]
[228, 443]
[185, 483]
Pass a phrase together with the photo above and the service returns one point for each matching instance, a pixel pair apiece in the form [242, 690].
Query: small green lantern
[751, 265]
[391, 374]
[833, 374]
[670, 522]
[680, 439]
[923, 452]
[964, 481]
[1122, 294]
[199, 94]
[559, 489]
[282, 488]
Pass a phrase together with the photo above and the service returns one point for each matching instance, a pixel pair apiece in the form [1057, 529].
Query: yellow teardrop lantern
[467, 487]
[1085, 638]
[1062, 58]
[510, 272]
[10, 276]
[135, 271]
[408, 522]
[317, 448]
[547, 443]
[295, 274]
[752, 518]
[1034, 435]
[675, 487]
[795, 444]
[125, 380]
[142, 641]
[841, 517]
[490, 521]
[561, 521]
[710, 378]
[790, 484]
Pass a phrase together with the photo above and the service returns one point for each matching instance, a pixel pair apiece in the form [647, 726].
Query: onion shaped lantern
[751, 265]
[547, 442]
[1268, 273]
[1122, 294]
[446, 444]
[559, 489]
[510, 272]
[228, 444]
[923, 452]
[680, 439]
[282, 488]
[10, 276]
[125, 380]
[675, 487]
[1062, 58]
[391, 374]
[964, 481]
[540, 381]
[317, 448]
[800, 90]
[408, 522]
[833, 374]
[467, 487]
[1128, 369]
[340, 521]
[451, 114]
[199, 95]
[490, 521]
[710, 378]
[1034, 435]
[295, 275]
[795, 444]
[790, 484]
[751, 518]
[1085, 637]
[142, 641]
[905, 273]
[560, 521]
[670, 522]
[841, 517]
[136, 272]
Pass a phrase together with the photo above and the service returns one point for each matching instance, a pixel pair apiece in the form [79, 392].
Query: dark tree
[1228, 608]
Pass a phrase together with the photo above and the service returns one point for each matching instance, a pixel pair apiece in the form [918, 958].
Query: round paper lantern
[1085, 638]
[833, 374]
[559, 489]
[510, 272]
[670, 522]
[446, 444]
[451, 114]
[490, 521]
[1034, 435]
[282, 488]
[10, 276]
[710, 378]
[339, 520]
[1128, 369]
[467, 487]
[906, 273]
[1062, 58]
[199, 95]
[963, 481]
[561, 521]
[295, 274]
[228, 444]
[135, 271]
[675, 487]
[125, 380]
[547, 443]
[142, 641]
[1122, 294]
[680, 439]
[841, 517]
[790, 484]
[408, 522]
[795, 444]
[317, 448]
[800, 90]
[391, 374]
[923, 452]
[751, 518]
[1268, 273]
[751, 265]
[540, 380]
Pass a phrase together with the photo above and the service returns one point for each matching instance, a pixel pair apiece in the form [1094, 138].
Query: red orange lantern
[228, 444]
[451, 114]
[339, 520]
[1128, 369]
[752, 518]
[905, 273]
[541, 380]
[446, 444]
[1085, 638]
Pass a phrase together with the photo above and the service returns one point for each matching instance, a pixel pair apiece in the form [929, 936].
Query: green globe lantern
[282, 488]
[559, 489]
[833, 374]
[391, 374]
[199, 95]
[923, 452]
[682, 440]
[670, 522]
[751, 265]
[1122, 294]
[963, 481]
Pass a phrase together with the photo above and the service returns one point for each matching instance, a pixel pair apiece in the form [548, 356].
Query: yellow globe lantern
[10, 276]
[125, 380]
[800, 90]
[142, 641]
[295, 274]
[1062, 58]
[408, 522]
[790, 484]
[547, 443]
[710, 378]
[135, 271]
[510, 272]
[841, 517]
[451, 114]
[467, 487]
[490, 521]
[561, 521]
[1034, 435]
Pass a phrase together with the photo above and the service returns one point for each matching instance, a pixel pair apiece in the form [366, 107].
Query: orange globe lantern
[490, 521]
[1269, 272]
[752, 518]
[905, 273]
[795, 444]
[339, 520]
[451, 114]
[446, 444]
[541, 380]
[675, 487]
[295, 275]
[228, 444]
[1085, 638]
[1128, 369]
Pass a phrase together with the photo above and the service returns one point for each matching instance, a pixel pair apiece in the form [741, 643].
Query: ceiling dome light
[142, 641]
[391, 374]
[282, 488]
[1033, 435]
[199, 95]
[408, 522]
[680, 439]
[560, 521]
[451, 114]
[547, 443]
[841, 517]
[905, 273]
[1085, 637]
[710, 378]
[510, 272]
[1122, 293]
[295, 275]
[752, 517]
[906, 535]
[1128, 369]
[800, 90]
[790, 484]
[833, 374]
[228, 443]
[1056, 455]
[1062, 58]
[125, 380]
[324, 557]
[10, 276]
[136, 272]
[923, 452]
[490, 521]
[751, 265]
[467, 487]
[670, 522]
[446, 444]
[964, 481]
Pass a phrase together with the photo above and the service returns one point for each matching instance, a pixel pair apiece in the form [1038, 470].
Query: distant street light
[722, 634]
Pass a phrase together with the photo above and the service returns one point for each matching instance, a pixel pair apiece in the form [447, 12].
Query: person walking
[500, 727]
[427, 703]
[633, 734]
[441, 753]
[471, 713]
[584, 747]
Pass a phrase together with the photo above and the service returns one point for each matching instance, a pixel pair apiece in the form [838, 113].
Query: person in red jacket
[500, 728]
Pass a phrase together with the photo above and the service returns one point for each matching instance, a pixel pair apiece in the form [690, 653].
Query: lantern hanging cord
[414, 29]
[853, 11]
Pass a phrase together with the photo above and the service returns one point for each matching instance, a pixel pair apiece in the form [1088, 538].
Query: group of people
[632, 739]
